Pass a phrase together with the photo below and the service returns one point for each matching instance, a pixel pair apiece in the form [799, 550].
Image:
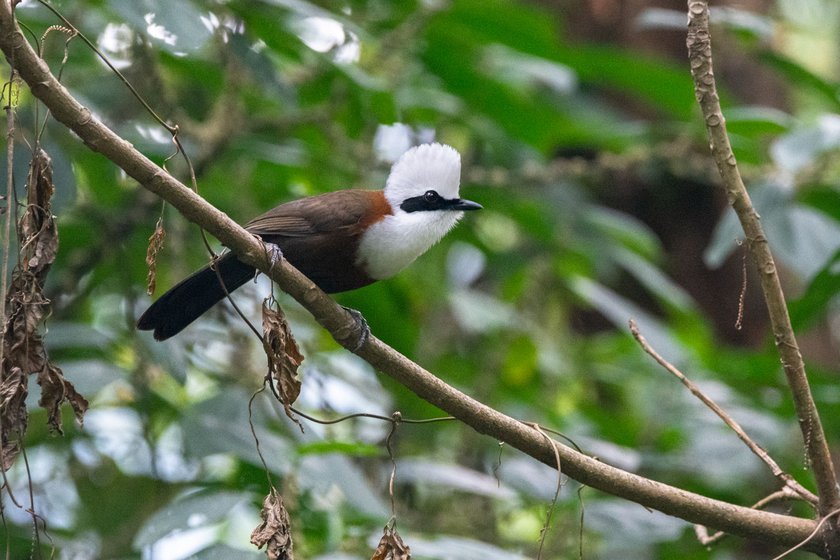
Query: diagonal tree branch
[816, 447]
[785, 478]
[746, 522]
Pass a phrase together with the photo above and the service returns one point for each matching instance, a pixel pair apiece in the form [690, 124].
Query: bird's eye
[430, 196]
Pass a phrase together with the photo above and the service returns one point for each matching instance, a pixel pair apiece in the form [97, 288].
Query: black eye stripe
[430, 200]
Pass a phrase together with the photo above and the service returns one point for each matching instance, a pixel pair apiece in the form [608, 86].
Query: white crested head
[423, 192]
[423, 168]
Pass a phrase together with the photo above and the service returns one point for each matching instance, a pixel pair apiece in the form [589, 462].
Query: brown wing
[319, 235]
[328, 213]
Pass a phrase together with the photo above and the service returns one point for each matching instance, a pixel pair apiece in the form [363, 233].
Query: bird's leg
[362, 328]
[273, 252]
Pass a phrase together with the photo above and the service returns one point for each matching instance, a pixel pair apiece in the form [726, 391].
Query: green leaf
[355, 449]
[664, 87]
[444, 477]
[624, 229]
[755, 122]
[200, 509]
[754, 24]
[323, 475]
[540, 118]
[479, 312]
[175, 27]
[619, 311]
[446, 547]
[90, 376]
[622, 525]
[803, 77]
[801, 237]
[654, 279]
[826, 199]
[818, 299]
[800, 148]
[225, 552]
[221, 425]
[804, 239]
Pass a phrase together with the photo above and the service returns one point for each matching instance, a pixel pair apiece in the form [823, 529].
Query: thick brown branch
[784, 494]
[767, 527]
[700, 60]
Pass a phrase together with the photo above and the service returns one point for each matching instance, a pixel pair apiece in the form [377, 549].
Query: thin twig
[371, 415]
[395, 422]
[254, 434]
[702, 531]
[699, 46]
[811, 536]
[498, 464]
[553, 505]
[557, 433]
[777, 471]
[581, 524]
[8, 90]
[6, 530]
[36, 544]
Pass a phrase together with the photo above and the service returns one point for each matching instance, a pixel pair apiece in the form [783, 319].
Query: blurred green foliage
[600, 206]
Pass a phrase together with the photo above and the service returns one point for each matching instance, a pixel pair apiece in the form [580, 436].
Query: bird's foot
[274, 253]
[361, 333]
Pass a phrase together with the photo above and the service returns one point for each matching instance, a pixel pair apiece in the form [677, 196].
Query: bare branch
[783, 494]
[816, 447]
[817, 529]
[777, 471]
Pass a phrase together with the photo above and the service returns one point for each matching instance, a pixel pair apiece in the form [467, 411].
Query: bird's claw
[362, 330]
[274, 253]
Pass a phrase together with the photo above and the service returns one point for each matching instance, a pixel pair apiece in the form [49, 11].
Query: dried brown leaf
[284, 357]
[40, 240]
[391, 546]
[10, 451]
[55, 389]
[155, 245]
[13, 417]
[37, 230]
[13, 391]
[275, 531]
[39, 184]
[26, 307]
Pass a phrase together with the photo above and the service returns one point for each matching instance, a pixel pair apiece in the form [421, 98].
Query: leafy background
[579, 135]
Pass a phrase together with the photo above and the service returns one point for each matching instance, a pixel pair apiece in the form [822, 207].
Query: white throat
[393, 243]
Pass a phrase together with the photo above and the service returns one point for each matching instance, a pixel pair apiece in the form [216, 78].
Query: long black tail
[194, 295]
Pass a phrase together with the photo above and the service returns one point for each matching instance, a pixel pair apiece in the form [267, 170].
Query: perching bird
[341, 240]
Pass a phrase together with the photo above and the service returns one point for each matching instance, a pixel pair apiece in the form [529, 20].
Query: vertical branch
[816, 447]
[8, 93]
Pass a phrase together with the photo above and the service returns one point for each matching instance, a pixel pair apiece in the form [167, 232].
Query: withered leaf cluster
[26, 306]
[275, 531]
[391, 546]
[284, 357]
[155, 245]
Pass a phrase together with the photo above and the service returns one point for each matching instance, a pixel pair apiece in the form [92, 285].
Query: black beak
[461, 204]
